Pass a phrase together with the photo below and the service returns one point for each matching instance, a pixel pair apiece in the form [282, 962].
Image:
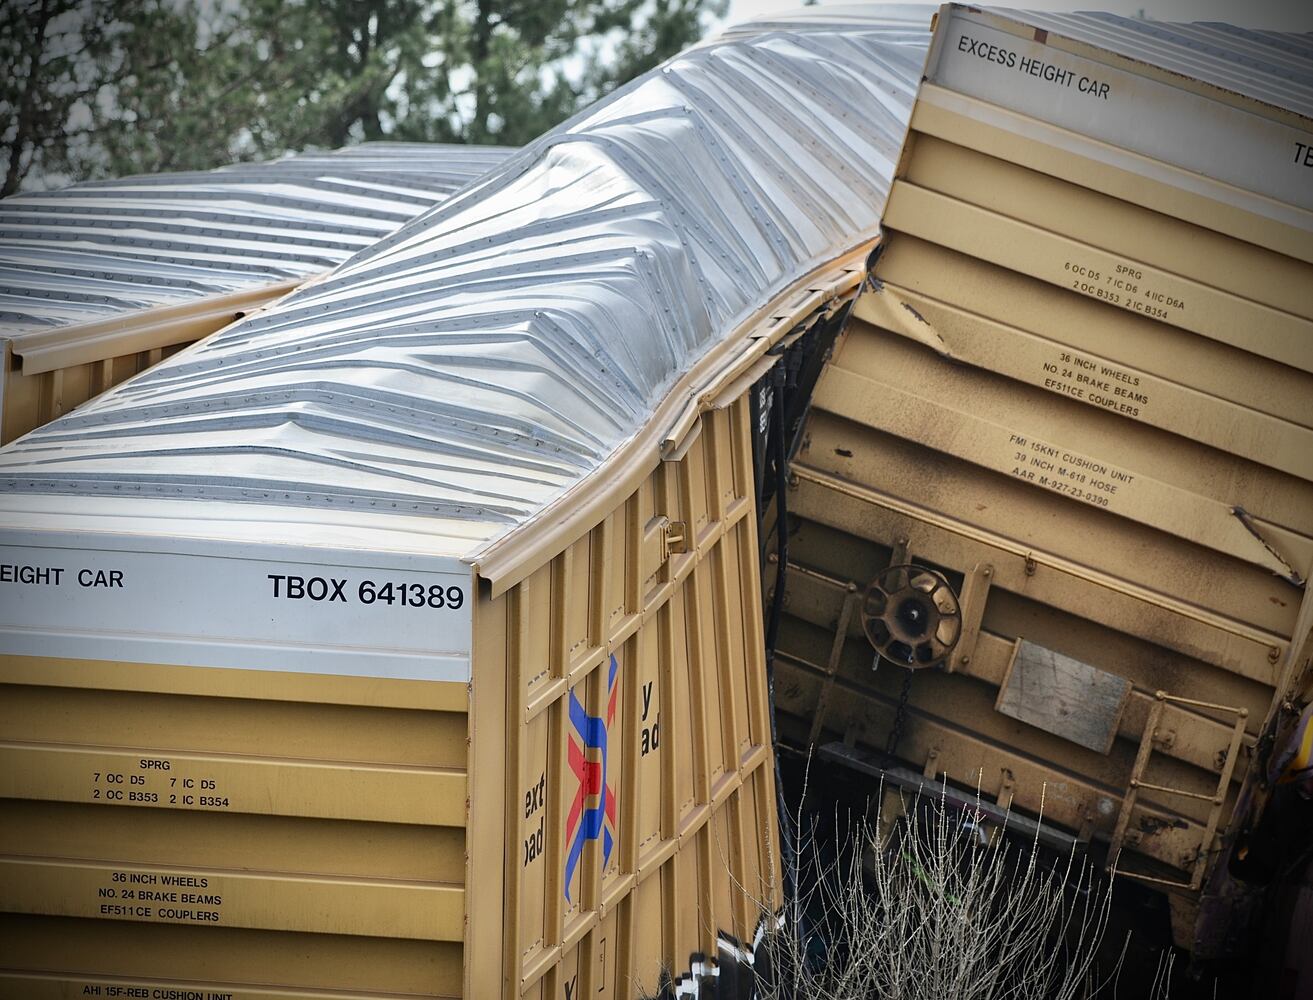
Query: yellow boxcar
[562, 784]
[1064, 450]
[404, 638]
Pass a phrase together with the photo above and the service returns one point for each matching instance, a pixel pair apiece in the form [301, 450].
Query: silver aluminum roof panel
[473, 366]
[104, 249]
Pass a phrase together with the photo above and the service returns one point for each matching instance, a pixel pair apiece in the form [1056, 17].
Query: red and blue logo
[593, 812]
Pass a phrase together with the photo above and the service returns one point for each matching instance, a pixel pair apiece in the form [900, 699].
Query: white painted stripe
[1168, 123]
[236, 612]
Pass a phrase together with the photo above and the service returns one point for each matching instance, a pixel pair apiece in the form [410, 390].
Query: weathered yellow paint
[186, 826]
[421, 795]
[1074, 266]
[1086, 162]
[1217, 259]
[1093, 389]
[199, 897]
[1017, 449]
[970, 295]
[1096, 380]
[63, 953]
[689, 737]
[215, 682]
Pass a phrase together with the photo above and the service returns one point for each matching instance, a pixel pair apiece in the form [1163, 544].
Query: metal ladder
[1137, 784]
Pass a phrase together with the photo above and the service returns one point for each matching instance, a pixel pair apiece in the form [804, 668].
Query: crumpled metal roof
[488, 355]
[1274, 67]
[101, 249]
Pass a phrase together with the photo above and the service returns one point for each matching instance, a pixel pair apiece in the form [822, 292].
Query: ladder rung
[1177, 791]
[1174, 883]
[1243, 713]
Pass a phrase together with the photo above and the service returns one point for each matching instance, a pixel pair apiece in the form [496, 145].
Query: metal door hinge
[674, 539]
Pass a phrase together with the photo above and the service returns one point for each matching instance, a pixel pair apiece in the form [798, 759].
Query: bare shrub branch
[929, 905]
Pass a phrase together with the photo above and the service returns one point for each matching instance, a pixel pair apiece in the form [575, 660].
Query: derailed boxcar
[405, 637]
[1063, 454]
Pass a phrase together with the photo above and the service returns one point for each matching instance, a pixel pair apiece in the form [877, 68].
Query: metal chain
[900, 716]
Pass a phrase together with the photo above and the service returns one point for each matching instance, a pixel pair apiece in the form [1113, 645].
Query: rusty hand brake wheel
[911, 616]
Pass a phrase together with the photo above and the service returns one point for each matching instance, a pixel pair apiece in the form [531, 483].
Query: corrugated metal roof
[101, 249]
[1269, 66]
[477, 363]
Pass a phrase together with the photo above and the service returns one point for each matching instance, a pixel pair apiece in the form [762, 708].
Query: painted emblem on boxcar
[593, 812]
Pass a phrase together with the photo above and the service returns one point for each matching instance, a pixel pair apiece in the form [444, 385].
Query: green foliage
[42, 46]
[652, 32]
[109, 87]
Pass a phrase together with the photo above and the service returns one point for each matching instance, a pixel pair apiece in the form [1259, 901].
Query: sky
[1281, 15]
